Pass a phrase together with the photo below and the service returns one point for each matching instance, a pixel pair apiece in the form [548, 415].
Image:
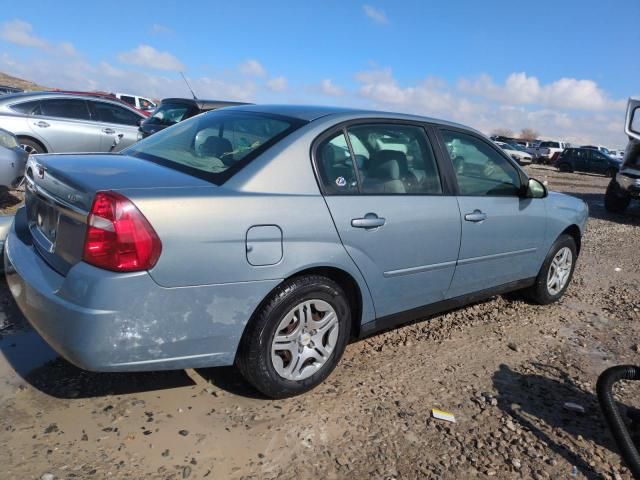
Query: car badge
[341, 182]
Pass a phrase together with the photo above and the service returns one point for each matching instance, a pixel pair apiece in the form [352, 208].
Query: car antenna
[188, 86]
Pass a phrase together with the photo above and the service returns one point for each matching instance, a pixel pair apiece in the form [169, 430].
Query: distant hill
[20, 83]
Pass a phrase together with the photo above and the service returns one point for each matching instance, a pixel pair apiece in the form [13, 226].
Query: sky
[562, 68]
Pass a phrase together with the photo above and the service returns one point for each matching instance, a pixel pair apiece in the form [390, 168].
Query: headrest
[382, 156]
[389, 170]
[216, 146]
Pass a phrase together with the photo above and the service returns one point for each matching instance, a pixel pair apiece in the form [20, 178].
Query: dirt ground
[504, 367]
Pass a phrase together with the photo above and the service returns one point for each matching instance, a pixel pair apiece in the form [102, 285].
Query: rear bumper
[105, 321]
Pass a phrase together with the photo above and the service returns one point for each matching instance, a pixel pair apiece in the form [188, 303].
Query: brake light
[119, 237]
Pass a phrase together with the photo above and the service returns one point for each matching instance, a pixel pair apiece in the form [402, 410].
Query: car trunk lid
[61, 188]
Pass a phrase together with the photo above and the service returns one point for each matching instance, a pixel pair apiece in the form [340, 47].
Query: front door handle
[370, 220]
[476, 216]
[109, 131]
[41, 124]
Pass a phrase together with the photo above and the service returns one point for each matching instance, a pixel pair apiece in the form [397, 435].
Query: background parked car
[55, 122]
[516, 152]
[174, 110]
[600, 148]
[625, 186]
[6, 90]
[139, 103]
[587, 160]
[12, 159]
[545, 150]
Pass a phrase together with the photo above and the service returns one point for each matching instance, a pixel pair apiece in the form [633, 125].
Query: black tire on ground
[31, 146]
[615, 200]
[565, 167]
[539, 292]
[612, 172]
[254, 353]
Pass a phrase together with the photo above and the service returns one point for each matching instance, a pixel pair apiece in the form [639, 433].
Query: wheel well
[31, 139]
[350, 287]
[574, 231]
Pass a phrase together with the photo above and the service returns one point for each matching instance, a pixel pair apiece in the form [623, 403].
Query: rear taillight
[119, 238]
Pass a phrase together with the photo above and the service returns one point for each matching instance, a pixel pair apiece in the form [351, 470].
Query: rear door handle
[41, 124]
[370, 220]
[476, 216]
[109, 131]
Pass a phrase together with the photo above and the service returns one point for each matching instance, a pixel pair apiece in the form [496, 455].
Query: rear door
[118, 125]
[396, 217]
[580, 159]
[66, 125]
[598, 162]
[501, 231]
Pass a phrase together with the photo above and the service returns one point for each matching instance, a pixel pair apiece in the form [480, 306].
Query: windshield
[169, 114]
[550, 145]
[212, 144]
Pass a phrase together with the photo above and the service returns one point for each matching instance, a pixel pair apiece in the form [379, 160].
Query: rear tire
[286, 348]
[556, 272]
[31, 146]
[615, 200]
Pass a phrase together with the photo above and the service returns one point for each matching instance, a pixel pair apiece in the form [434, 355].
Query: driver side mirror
[536, 189]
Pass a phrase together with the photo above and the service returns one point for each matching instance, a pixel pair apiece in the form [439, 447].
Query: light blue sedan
[268, 236]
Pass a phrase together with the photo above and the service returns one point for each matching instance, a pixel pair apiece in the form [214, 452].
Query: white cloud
[252, 68]
[160, 29]
[375, 14]
[278, 84]
[330, 89]
[20, 33]
[521, 89]
[148, 57]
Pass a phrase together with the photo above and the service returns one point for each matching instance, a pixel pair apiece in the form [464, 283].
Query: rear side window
[335, 166]
[110, 113]
[27, 108]
[65, 108]
[214, 145]
[128, 99]
[390, 159]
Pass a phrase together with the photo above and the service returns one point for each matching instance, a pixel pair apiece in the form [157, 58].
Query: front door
[118, 125]
[396, 220]
[598, 163]
[501, 232]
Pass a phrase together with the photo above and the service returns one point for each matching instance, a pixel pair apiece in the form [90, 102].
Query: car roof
[310, 113]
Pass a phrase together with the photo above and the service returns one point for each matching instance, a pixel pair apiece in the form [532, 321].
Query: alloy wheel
[304, 340]
[559, 270]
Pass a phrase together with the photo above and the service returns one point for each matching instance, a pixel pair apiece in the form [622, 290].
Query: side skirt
[392, 321]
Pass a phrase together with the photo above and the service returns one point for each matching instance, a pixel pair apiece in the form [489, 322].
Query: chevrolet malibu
[268, 236]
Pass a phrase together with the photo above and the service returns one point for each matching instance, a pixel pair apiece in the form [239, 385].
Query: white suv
[141, 103]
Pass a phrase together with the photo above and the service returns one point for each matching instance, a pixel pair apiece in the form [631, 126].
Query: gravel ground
[504, 367]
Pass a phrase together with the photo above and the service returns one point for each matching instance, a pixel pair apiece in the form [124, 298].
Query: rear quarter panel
[204, 230]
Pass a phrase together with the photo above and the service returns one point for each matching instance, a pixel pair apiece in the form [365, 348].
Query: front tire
[296, 338]
[31, 146]
[615, 200]
[556, 271]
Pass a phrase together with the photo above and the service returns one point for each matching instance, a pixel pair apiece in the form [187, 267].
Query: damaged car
[625, 185]
[269, 236]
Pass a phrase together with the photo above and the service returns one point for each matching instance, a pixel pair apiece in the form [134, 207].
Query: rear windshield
[169, 113]
[216, 144]
[550, 145]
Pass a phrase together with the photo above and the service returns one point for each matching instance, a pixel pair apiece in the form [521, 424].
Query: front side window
[209, 145]
[146, 104]
[110, 113]
[480, 170]
[71, 108]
